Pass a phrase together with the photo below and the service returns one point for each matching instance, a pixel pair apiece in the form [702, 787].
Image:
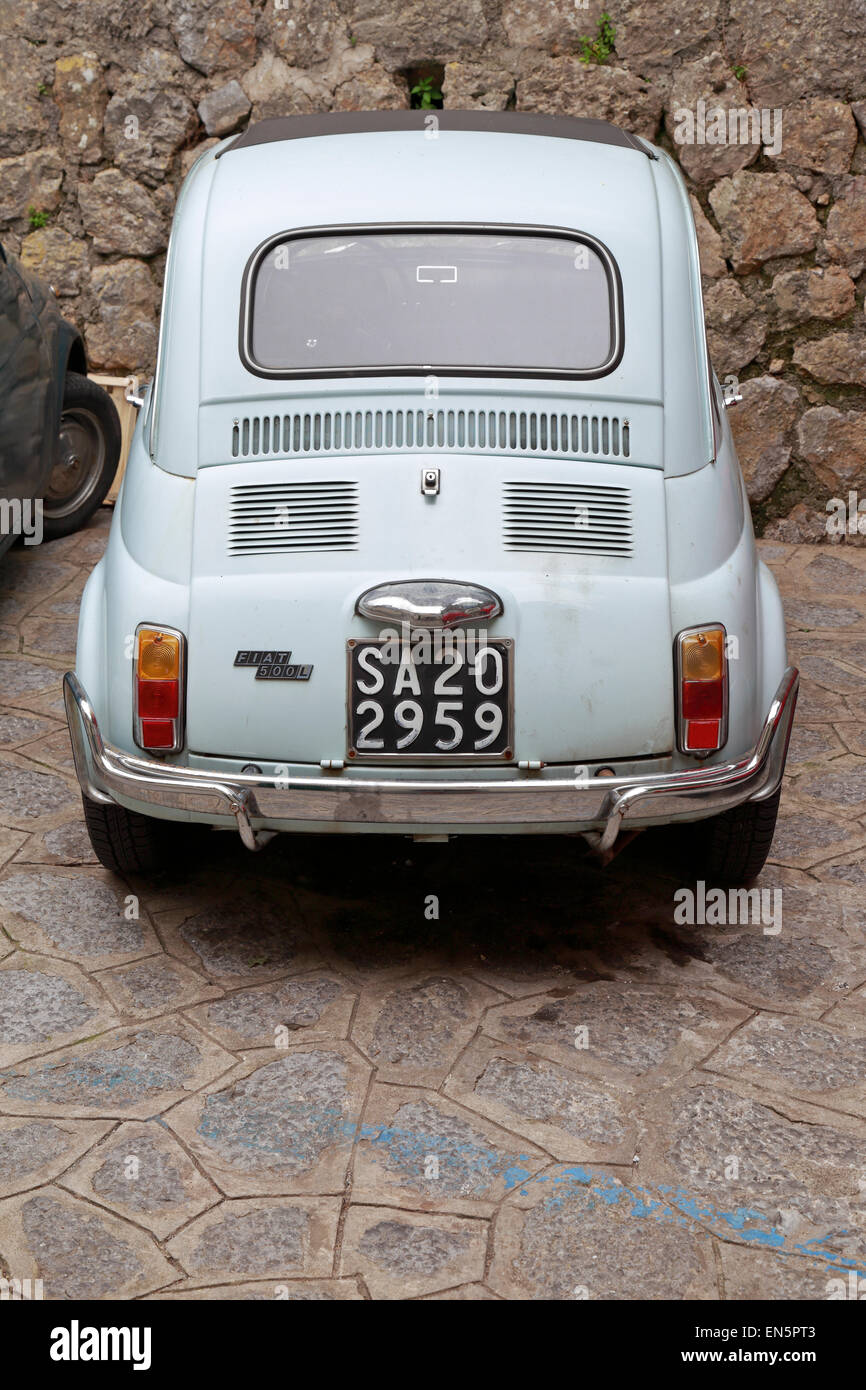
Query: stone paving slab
[804, 837]
[573, 1118]
[811, 1061]
[130, 1073]
[283, 1122]
[34, 1152]
[414, 1029]
[403, 1254]
[18, 728]
[757, 1168]
[34, 573]
[88, 917]
[155, 985]
[32, 797]
[61, 603]
[639, 1036]
[841, 785]
[813, 745]
[301, 1008]
[767, 1277]
[66, 843]
[49, 636]
[244, 941]
[276, 1077]
[242, 1240]
[818, 907]
[52, 751]
[850, 869]
[578, 1235]
[77, 1250]
[50, 703]
[44, 1003]
[141, 1172]
[419, 1150]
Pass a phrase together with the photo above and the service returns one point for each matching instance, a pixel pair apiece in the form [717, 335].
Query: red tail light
[158, 734]
[702, 673]
[158, 699]
[158, 688]
[702, 700]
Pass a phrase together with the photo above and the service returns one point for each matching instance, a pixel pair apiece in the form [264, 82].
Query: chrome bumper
[351, 797]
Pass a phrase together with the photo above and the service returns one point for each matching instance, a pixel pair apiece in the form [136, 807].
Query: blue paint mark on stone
[470, 1167]
[441, 1153]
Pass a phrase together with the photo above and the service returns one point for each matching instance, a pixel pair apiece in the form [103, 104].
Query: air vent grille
[573, 518]
[274, 518]
[545, 432]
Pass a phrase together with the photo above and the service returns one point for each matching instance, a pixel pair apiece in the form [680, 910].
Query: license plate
[429, 701]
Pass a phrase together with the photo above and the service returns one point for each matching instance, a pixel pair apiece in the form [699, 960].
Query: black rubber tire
[126, 842]
[733, 847]
[90, 403]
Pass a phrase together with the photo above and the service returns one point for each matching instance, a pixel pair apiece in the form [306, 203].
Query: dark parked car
[59, 432]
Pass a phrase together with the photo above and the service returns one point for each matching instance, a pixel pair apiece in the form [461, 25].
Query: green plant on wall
[599, 49]
[426, 94]
[36, 219]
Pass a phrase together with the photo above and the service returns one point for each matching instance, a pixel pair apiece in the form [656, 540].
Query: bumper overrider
[600, 806]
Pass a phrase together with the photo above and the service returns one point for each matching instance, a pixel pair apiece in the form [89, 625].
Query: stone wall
[104, 105]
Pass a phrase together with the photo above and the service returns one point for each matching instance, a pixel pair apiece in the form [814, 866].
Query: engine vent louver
[275, 518]
[547, 432]
[573, 518]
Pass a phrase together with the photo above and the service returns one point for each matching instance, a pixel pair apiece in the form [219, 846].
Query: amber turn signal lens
[158, 655]
[703, 655]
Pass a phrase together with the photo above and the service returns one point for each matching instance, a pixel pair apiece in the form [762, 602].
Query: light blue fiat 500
[432, 523]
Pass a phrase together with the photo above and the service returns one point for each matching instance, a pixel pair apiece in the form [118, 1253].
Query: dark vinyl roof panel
[497, 122]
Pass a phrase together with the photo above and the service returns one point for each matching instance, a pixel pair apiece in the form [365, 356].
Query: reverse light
[702, 679]
[158, 688]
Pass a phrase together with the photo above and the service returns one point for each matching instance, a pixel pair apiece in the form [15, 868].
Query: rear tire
[126, 842]
[88, 450]
[733, 847]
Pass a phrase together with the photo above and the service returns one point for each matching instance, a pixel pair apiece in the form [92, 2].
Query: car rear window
[479, 301]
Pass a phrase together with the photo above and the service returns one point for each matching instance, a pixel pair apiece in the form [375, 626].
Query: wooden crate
[117, 387]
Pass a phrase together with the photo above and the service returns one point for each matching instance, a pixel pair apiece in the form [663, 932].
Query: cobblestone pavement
[283, 1075]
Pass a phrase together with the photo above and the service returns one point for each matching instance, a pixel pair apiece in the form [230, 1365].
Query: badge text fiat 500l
[432, 523]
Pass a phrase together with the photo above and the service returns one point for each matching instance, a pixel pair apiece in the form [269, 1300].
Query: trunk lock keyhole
[430, 481]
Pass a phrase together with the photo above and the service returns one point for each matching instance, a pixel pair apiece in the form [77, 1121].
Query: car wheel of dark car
[733, 847]
[87, 455]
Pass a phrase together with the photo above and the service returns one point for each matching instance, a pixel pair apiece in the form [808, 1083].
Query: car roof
[497, 167]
